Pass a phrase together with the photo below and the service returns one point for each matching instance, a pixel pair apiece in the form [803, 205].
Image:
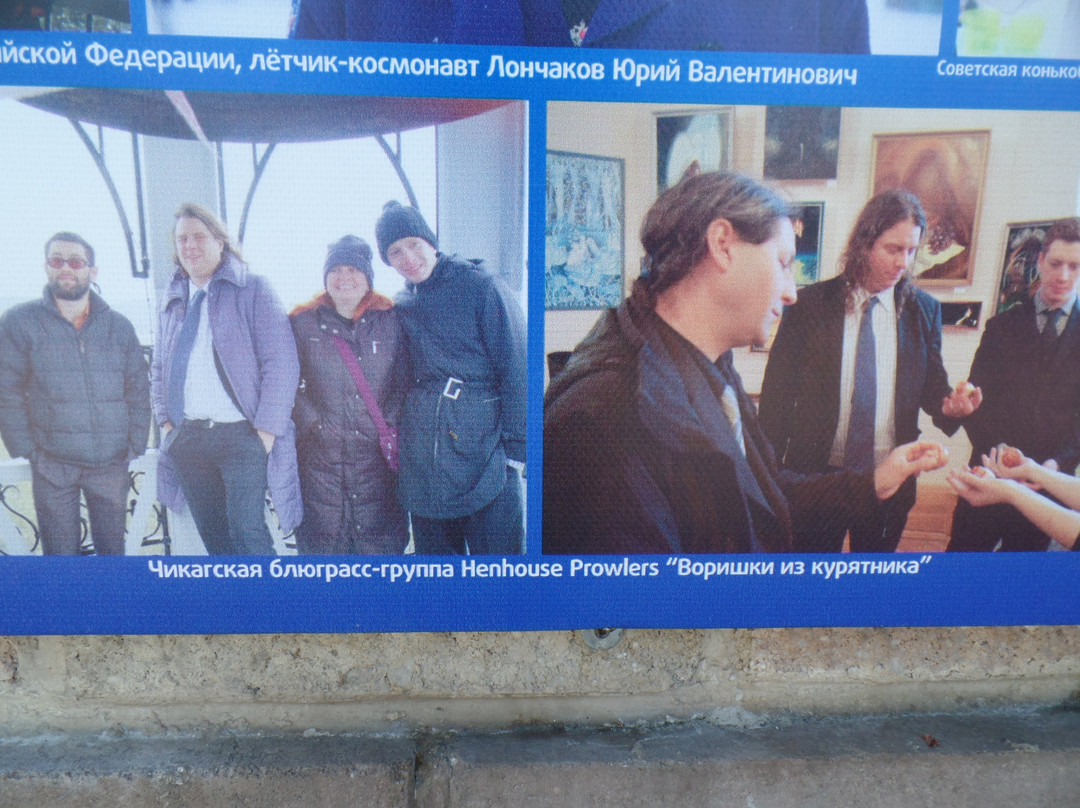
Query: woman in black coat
[349, 490]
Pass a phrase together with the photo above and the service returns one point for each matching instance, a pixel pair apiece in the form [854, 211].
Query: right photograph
[809, 329]
[1038, 29]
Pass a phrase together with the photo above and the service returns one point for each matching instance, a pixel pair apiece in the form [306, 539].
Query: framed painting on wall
[809, 222]
[801, 143]
[809, 226]
[689, 143]
[1019, 267]
[961, 314]
[583, 255]
[808, 229]
[947, 171]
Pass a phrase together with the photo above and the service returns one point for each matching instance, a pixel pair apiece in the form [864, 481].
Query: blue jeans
[222, 470]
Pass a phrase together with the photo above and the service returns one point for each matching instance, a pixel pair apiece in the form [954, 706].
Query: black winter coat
[639, 457]
[465, 414]
[350, 494]
[82, 397]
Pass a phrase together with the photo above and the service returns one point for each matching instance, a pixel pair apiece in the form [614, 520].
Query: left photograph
[257, 324]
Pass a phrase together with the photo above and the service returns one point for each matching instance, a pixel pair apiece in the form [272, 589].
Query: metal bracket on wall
[601, 639]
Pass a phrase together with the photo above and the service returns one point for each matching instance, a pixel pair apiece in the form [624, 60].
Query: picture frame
[947, 171]
[692, 142]
[801, 143]
[1019, 264]
[583, 254]
[961, 314]
[809, 229]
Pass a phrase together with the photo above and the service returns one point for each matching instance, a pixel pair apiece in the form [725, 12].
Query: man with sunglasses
[75, 400]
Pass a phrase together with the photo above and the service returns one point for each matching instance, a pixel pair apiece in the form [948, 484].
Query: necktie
[730, 404]
[185, 341]
[859, 450]
[1050, 333]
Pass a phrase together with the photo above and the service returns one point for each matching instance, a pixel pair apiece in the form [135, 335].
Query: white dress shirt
[884, 323]
[204, 395]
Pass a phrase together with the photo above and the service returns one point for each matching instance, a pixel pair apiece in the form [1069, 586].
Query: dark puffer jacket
[82, 397]
[349, 492]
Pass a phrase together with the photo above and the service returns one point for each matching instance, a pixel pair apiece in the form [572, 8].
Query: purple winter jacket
[253, 337]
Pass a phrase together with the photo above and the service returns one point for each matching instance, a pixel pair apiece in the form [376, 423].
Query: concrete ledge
[235, 771]
[728, 759]
[983, 761]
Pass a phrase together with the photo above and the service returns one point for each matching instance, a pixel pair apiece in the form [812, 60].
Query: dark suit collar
[1041, 307]
[1073, 324]
[675, 401]
[1029, 324]
[910, 349]
[833, 324]
[1028, 320]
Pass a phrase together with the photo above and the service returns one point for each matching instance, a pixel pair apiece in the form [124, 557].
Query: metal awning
[252, 118]
[255, 117]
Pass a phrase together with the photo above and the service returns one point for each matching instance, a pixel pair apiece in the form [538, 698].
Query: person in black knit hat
[349, 486]
[462, 436]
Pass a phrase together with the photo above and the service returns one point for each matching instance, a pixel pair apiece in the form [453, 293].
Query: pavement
[727, 758]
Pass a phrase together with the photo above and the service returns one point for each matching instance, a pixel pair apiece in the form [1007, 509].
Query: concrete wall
[410, 681]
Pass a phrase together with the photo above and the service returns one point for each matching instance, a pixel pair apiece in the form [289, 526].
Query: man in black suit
[853, 362]
[1027, 365]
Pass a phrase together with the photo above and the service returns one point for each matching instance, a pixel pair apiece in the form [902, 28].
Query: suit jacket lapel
[1029, 325]
[679, 407]
[833, 319]
[756, 450]
[718, 429]
[1068, 343]
[908, 347]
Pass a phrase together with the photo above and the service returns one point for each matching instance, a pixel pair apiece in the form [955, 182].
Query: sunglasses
[56, 262]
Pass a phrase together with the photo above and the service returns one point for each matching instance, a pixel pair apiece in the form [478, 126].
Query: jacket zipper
[438, 408]
[86, 385]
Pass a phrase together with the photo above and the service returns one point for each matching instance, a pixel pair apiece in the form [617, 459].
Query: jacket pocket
[468, 440]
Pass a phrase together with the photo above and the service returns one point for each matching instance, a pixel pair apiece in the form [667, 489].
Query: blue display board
[209, 108]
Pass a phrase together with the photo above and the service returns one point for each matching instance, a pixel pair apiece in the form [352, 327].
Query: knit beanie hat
[350, 251]
[398, 222]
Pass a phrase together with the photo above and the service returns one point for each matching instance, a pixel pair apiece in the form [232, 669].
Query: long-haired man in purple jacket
[223, 380]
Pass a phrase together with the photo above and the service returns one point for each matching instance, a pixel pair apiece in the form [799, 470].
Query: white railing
[151, 527]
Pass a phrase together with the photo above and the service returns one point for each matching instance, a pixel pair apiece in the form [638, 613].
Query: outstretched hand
[981, 489]
[1009, 463]
[905, 461]
[962, 401]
